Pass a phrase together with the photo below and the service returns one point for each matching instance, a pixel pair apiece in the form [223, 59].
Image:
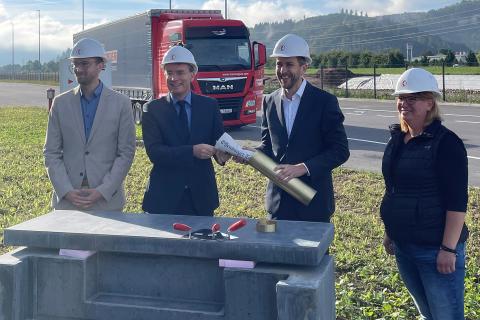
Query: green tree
[450, 58]
[366, 59]
[424, 60]
[471, 59]
[395, 58]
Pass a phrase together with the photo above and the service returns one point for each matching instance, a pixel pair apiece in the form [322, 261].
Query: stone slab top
[294, 242]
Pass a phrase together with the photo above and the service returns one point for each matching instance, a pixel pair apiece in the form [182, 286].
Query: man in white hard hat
[179, 132]
[90, 141]
[302, 130]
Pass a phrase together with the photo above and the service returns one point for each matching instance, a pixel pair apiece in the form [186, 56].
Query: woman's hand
[446, 261]
[388, 244]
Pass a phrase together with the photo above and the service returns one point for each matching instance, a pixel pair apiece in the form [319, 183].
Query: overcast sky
[59, 19]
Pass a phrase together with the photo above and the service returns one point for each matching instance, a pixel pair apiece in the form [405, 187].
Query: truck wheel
[137, 112]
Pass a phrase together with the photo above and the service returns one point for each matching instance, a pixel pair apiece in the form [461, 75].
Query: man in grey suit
[90, 141]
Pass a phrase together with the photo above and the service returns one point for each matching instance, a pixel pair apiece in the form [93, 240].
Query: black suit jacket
[317, 138]
[174, 165]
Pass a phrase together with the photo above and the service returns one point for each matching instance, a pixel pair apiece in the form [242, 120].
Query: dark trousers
[186, 206]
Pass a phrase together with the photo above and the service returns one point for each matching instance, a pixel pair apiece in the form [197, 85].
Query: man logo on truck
[222, 87]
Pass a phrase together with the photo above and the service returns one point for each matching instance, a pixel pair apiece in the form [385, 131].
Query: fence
[457, 84]
[30, 76]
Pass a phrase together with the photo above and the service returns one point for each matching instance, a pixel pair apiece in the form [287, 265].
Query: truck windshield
[220, 54]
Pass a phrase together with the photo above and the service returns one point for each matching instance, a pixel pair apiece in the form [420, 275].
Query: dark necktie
[183, 122]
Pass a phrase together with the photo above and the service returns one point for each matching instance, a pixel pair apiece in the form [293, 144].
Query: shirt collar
[188, 98]
[299, 92]
[96, 92]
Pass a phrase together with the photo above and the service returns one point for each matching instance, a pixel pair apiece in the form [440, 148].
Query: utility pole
[13, 51]
[226, 14]
[83, 15]
[170, 7]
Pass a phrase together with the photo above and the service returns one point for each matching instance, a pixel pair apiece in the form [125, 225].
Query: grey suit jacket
[105, 158]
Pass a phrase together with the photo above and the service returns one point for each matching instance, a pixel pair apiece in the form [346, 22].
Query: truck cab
[230, 67]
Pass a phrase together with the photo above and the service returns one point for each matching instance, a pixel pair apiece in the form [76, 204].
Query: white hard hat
[416, 80]
[88, 48]
[179, 54]
[292, 45]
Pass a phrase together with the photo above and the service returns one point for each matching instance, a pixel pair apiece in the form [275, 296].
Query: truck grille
[222, 85]
[232, 105]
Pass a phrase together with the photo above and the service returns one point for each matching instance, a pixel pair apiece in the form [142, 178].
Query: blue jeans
[437, 296]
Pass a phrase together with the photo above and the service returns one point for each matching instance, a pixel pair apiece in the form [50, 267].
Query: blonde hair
[433, 114]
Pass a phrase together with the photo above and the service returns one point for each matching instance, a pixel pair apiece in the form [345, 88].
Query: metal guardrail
[30, 76]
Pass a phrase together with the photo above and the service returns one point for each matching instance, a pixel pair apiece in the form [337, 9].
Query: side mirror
[259, 54]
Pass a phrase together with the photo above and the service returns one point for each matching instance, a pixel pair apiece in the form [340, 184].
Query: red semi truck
[230, 66]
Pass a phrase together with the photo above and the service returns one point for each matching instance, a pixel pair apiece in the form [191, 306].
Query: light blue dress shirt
[188, 106]
[89, 108]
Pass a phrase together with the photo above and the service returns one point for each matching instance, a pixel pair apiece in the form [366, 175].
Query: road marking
[384, 143]
[365, 109]
[461, 115]
[354, 114]
[384, 116]
[369, 141]
[250, 125]
[462, 121]
[395, 111]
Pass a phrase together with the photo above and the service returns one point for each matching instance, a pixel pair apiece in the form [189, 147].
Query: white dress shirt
[290, 106]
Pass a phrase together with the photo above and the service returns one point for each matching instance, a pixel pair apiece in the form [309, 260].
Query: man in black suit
[179, 131]
[302, 130]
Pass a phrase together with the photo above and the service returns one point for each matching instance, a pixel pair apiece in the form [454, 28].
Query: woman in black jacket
[423, 209]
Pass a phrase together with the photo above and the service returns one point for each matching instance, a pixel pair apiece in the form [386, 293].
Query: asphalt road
[24, 94]
[366, 123]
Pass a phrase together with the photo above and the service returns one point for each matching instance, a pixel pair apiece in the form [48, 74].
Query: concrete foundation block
[142, 270]
[308, 294]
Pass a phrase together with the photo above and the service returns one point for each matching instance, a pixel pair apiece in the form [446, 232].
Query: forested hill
[455, 27]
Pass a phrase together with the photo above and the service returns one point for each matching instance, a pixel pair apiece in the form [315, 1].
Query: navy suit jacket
[317, 138]
[174, 165]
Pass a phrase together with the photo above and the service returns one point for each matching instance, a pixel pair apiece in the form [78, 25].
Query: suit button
[81, 174]
[87, 153]
[186, 187]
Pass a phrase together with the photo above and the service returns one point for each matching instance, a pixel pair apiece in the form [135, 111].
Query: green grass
[271, 71]
[367, 283]
[433, 69]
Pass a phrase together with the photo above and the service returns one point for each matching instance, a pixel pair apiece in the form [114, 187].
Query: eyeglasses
[410, 99]
[81, 65]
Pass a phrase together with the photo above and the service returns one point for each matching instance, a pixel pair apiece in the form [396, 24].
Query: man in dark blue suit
[302, 130]
[179, 132]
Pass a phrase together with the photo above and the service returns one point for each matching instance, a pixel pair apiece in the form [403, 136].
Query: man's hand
[241, 160]
[83, 198]
[203, 151]
[287, 172]
[222, 157]
[77, 198]
[446, 261]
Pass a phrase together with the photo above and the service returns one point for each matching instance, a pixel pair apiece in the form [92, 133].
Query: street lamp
[83, 15]
[13, 50]
[226, 9]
